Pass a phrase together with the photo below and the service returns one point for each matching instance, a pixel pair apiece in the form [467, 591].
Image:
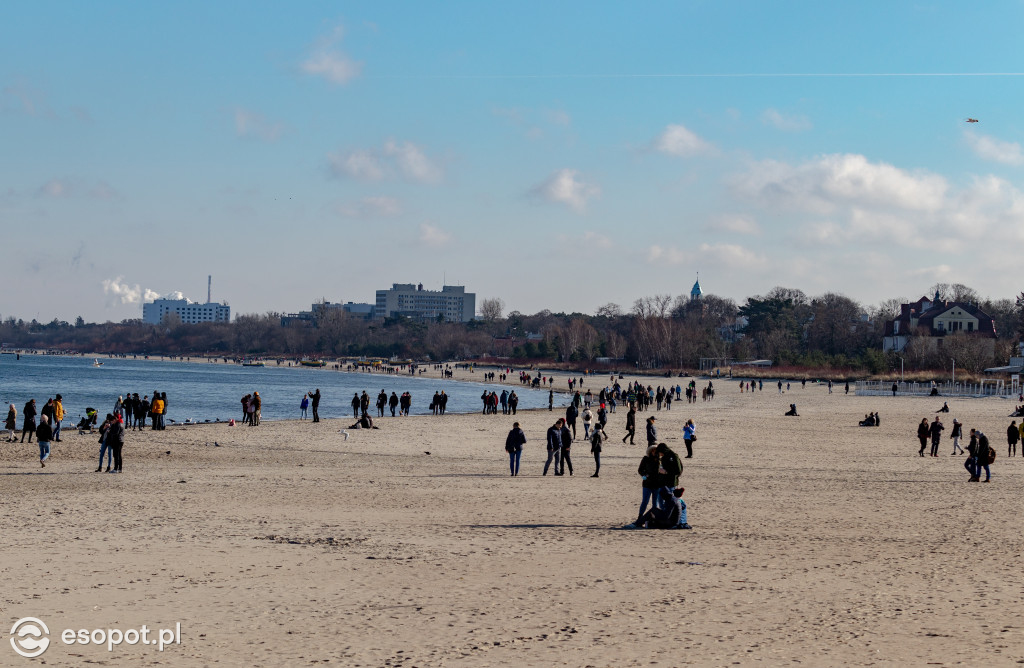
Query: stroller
[88, 423]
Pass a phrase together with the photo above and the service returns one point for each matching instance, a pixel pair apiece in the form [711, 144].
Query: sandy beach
[815, 542]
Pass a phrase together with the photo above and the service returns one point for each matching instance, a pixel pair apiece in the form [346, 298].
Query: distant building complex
[451, 303]
[932, 319]
[190, 312]
[319, 310]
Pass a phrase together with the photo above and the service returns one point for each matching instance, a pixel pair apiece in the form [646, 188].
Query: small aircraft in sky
[972, 120]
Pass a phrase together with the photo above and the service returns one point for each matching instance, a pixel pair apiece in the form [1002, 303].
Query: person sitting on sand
[671, 515]
[365, 422]
[868, 421]
[945, 407]
[792, 411]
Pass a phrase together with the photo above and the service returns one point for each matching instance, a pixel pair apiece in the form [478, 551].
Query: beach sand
[815, 542]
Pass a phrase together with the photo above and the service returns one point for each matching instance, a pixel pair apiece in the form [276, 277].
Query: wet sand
[815, 542]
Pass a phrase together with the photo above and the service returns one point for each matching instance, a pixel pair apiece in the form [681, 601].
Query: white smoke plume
[119, 293]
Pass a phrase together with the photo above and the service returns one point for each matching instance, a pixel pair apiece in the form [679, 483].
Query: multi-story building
[190, 312]
[317, 311]
[451, 302]
[933, 319]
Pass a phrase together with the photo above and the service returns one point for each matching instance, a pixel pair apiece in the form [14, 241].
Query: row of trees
[784, 325]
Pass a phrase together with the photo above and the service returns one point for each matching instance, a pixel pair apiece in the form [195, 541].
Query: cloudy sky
[557, 155]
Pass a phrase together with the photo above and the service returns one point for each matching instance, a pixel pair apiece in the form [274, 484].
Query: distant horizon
[557, 156]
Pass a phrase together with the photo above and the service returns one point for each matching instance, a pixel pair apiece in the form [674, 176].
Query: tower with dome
[696, 291]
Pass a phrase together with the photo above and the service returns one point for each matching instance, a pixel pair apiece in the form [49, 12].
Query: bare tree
[491, 309]
[609, 310]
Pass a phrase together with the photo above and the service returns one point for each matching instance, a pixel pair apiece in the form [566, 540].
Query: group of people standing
[134, 410]
[47, 430]
[252, 405]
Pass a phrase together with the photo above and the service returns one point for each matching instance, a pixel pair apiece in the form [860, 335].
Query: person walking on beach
[984, 457]
[43, 435]
[630, 425]
[689, 436]
[895, 386]
[596, 440]
[956, 433]
[257, 406]
[551, 400]
[588, 421]
[922, 435]
[393, 403]
[382, 402]
[652, 431]
[554, 444]
[355, 405]
[567, 439]
[304, 406]
[28, 424]
[1012, 436]
[514, 447]
[513, 402]
[570, 418]
[936, 433]
[11, 424]
[314, 403]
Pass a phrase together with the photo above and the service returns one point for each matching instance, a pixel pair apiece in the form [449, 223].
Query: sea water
[201, 390]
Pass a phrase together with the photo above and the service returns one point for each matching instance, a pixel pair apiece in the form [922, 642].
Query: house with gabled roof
[933, 319]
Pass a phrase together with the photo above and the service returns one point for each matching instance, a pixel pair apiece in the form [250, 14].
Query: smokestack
[209, 286]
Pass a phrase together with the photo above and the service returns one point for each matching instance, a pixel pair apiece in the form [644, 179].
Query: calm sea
[203, 391]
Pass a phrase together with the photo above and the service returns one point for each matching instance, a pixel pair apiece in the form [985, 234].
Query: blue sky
[556, 155]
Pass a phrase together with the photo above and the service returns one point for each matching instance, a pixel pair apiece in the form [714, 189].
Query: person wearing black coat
[28, 426]
[554, 443]
[314, 403]
[1012, 436]
[652, 431]
[922, 435]
[630, 425]
[43, 435]
[648, 471]
[567, 439]
[514, 447]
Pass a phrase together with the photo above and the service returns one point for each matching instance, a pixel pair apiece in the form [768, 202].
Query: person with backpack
[588, 421]
[514, 447]
[986, 455]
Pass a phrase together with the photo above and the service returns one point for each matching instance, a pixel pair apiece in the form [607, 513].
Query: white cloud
[371, 207]
[565, 187]
[251, 124]
[358, 164]
[833, 181]
[433, 236]
[734, 224]
[784, 122]
[329, 62]
[681, 142]
[395, 159]
[990, 148]
[663, 255]
[559, 117]
[412, 162]
[119, 292]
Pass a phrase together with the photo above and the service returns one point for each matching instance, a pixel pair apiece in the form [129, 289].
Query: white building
[190, 312]
[451, 302]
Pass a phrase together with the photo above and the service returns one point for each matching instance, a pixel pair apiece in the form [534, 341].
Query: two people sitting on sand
[792, 410]
[870, 420]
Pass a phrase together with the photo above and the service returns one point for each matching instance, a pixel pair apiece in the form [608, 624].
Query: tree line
[657, 332]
